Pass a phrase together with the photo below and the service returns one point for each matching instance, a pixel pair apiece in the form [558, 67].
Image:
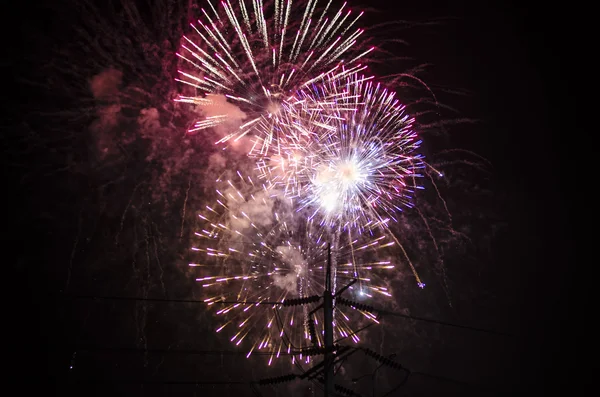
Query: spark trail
[351, 157]
[354, 155]
[253, 247]
[258, 54]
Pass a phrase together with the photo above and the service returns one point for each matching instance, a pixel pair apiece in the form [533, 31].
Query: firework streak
[255, 248]
[337, 159]
[350, 154]
[257, 55]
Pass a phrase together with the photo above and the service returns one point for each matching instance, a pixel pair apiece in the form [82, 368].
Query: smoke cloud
[259, 209]
[218, 106]
[106, 84]
[105, 88]
[296, 265]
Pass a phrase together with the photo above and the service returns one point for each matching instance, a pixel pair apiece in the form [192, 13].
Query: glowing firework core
[338, 182]
[273, 108]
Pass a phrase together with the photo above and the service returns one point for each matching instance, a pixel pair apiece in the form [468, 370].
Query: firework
[356, 162]
[254, 248]
[257, 55]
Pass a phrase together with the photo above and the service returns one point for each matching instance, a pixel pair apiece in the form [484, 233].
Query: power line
[382, 312]
[164, 382]
[84, 348]
[448, 324]
[402, 383]
[91, 349]
[409, 374]
[261, 382]
[165, 300]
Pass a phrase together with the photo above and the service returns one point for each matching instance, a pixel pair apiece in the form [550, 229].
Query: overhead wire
[224, 302]
[260, 353]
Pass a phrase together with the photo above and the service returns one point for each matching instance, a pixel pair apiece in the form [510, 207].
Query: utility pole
[324, 371]
[328, 317]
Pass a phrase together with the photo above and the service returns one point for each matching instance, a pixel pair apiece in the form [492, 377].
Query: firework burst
[353, 158]
[257, 55]
[256, 252]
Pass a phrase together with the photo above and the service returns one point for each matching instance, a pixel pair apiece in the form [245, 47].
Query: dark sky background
[510, 58]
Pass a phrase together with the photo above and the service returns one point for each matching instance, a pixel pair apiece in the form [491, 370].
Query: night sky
[82, 223]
